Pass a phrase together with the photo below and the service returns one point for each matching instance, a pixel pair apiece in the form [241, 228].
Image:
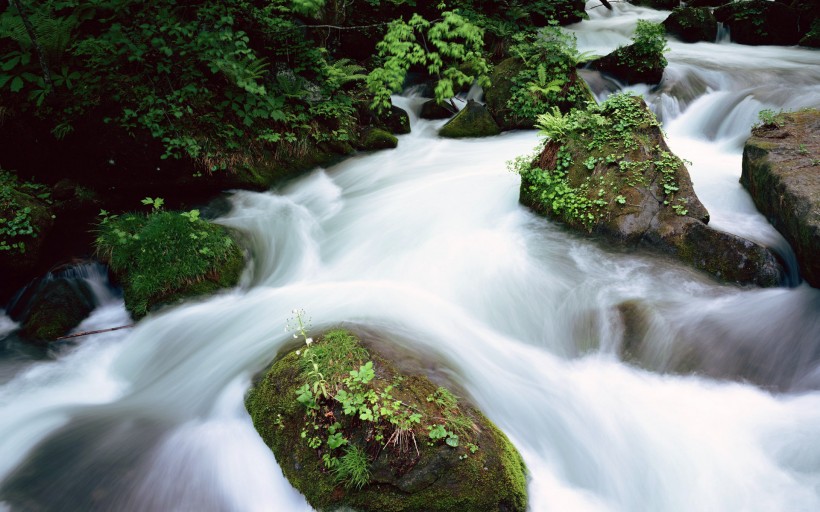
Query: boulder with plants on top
[352, 431]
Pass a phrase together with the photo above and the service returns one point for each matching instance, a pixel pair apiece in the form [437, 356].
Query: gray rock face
[781, 170]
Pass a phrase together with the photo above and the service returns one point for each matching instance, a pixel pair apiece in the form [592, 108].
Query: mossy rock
[691, 24]
[473, 121]
[499, 92]
[407, 472]
[56, 306]
[613, 175]
[781, 171]
[165, 257]
[564, 12]
[376, 138]
[761, 22]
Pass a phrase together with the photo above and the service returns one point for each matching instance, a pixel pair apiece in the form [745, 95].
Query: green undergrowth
[163, 256]
[614, 135]
[23, 212]
[349, 429]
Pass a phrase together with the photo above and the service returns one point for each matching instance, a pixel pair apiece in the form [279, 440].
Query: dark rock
[706, 3]
[432, 110]
[812, 37]
[376, 138]
[631, 189]
[56, 306]
[630, 66]
[473, 121]
[397, 121]
[781, 170]
[759, 22]
[690, 24]
[412, 474]
[661, 5]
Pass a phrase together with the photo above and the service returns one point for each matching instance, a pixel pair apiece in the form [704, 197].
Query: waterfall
[628, 381]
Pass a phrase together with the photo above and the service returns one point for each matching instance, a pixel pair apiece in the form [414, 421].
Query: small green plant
[801, 149]
[352, 468]
[21, 203]
[768, 118]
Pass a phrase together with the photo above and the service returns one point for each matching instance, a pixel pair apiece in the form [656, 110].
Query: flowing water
[627, 381]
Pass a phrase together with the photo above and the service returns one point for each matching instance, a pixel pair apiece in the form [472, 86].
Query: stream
[627, 381]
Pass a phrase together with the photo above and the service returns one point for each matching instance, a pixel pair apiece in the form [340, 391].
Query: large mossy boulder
[607, 170]
[355, 432]
[761, 22]
[641, 62]
[164, 257]
[376, 138]
[541, 75]
[54, 307]
[781, 171]
[692, 24]
[474, 120]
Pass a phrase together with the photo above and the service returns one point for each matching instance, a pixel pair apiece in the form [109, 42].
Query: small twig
[86, 333]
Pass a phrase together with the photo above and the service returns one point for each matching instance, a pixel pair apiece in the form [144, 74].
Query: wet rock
[781, 170]
[473, 121]
[432, 110]
[630, 65]
[54, 307]
[403, 468]
[690, 24]
[499, 92]
[397, 121]
[615, 176]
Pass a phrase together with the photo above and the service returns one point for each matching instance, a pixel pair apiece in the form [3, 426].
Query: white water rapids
[428, 245]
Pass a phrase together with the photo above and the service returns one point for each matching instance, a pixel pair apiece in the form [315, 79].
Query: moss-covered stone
[165, 257]
[472, 121]
[414, 474]
[614, 175]
[376, 138]
[397, 121]
[781, 170]
[692, 24]
[499, 92]
[56, 306]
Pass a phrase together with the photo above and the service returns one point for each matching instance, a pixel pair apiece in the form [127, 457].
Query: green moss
[438, 478]
[164, 257]
[58, 306]
[472, 121]
[376, 138]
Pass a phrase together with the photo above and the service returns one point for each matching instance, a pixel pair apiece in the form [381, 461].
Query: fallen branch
[86, 333]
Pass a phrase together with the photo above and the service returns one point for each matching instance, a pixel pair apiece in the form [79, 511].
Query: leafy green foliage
[18, 202]
[161, 253]
[548, 78]
[343, 393]
[648, 46]
[439, 47]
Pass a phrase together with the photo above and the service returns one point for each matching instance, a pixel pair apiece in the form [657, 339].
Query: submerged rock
[691, 24]
[53, 307]
[473, 121]
[380, 439]
[781, 170]
[609, 171]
